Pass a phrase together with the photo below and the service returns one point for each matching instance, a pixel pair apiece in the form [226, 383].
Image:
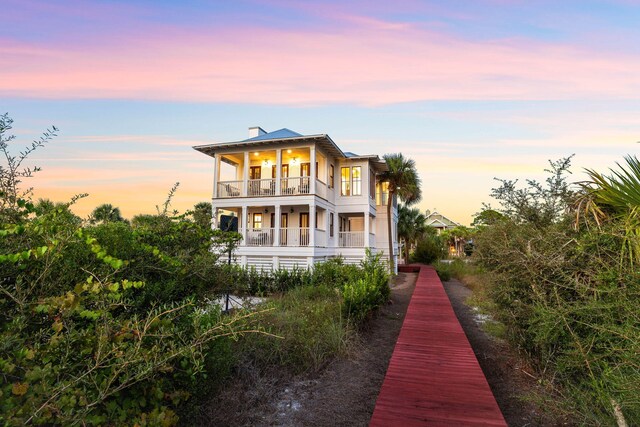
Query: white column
[278, 173]
[312, 224]
[216, 160]
[367, 218]
[214, 217]
[243, 224]
[245, 174]
[326, 227]
[313, 169]
[276, 226]
[336, 230]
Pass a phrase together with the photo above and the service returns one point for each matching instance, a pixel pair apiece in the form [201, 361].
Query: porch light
[289, 151]
[256, 154]
[294, 161]
[266, 163]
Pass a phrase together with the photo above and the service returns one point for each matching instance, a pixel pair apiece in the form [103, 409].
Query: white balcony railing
[294, 236]
[229, 189]
[295, 185]
[321, 238]
[259, 237]
[351, 239]
[261, 187]
[321, 189]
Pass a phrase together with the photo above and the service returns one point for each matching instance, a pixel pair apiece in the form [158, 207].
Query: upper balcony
[280, 172]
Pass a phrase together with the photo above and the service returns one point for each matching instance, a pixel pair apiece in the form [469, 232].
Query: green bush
[455, 269]
[429, 249]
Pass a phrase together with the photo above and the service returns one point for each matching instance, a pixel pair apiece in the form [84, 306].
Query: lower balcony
[301, 237]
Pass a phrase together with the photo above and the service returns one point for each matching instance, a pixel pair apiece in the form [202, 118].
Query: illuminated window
[257, 220]
[345, 190]
[356, 181]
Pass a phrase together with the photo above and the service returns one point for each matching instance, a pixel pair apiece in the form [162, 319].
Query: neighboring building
[440, 222]
[299, 199]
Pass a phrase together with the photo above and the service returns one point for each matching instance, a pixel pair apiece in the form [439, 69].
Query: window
[345, 190]
[372, 184]
[331, 173]
[257, 220]
[316, 170]
[285, 171]
[331, 224]
[382, 195]
[356, 181]
[305, 169]
[316, 223]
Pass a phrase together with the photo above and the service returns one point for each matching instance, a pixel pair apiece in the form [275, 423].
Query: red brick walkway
[433, 376]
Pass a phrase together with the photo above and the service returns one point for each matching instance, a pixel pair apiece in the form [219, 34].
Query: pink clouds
[369, 62]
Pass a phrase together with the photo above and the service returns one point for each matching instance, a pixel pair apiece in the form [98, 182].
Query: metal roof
[276, 134]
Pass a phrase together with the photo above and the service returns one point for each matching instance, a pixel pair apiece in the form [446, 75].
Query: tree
[457, 238]
[202, 213]
[106, 213]
[537, 204]
[615, 198]
[403, 181]
[12, 172]
[487, 216]
[411, 226]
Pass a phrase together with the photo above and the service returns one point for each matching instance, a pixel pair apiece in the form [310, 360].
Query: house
[299, 199]
[440, 222]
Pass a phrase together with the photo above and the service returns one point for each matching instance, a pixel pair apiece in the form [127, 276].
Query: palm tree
[106, 213]
[402, 179]
[615, 198]
[411, 226]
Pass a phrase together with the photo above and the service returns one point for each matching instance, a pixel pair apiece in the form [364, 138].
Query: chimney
[256, 131]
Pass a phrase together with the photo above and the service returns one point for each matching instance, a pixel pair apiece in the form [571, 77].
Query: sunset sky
[471, 90]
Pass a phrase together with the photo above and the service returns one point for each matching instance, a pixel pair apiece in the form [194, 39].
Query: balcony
[351, 239]
[291, 186]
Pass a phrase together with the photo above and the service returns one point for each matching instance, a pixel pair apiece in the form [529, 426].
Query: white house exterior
[299, 199]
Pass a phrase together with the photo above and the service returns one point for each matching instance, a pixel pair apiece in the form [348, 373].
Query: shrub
[429, 249]
[447, 270]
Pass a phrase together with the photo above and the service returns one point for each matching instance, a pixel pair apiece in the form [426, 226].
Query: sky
[471, 90]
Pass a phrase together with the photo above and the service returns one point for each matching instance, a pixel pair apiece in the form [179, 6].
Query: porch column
[277, 225]
[312, 224]
[216, 160]
[278, 175]
[214, 217]
[243, 224]
[312, 151]
[245, 175]
[336, 230]
[367, 218]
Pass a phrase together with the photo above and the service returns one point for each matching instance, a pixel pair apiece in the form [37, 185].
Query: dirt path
[342, 394]
[502, 367]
